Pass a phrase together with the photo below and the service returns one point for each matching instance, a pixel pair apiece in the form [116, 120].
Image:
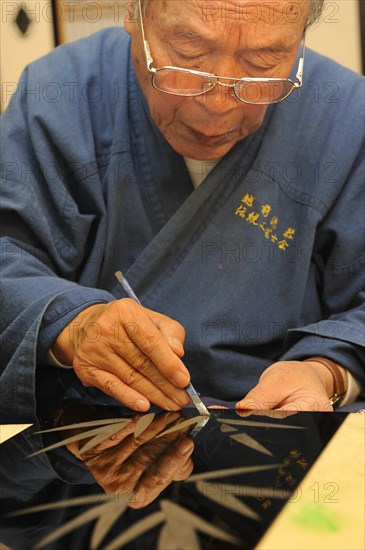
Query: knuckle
[179, 328]
[132, 444]
[85, 374]
[174, 327]
[132, 331]
[126, 307]
[91, 333]
[158, 479]
[112, 386]
[143, 364]
[149, 342]
[184, 471]
[120, 484]
[141, 498]
[131, 377]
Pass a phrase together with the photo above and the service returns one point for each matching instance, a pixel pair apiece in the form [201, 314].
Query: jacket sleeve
[339, 260]
[47, 218]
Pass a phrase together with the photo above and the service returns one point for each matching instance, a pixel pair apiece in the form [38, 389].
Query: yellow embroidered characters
[255, 216]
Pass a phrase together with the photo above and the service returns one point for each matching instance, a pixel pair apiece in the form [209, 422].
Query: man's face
[232, 38]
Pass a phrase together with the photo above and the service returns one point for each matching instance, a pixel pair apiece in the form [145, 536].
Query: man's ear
[129, 25]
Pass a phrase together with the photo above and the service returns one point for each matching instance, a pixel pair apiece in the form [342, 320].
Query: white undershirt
[199, 169]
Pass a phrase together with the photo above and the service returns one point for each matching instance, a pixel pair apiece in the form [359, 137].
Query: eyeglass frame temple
[299, 75]
[146, 45]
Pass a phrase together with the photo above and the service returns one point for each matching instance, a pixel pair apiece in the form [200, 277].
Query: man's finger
[150, 340]
[163, 472]
[173, 331]
[114, 376]
[113, 386]
[258, 399]
[141, 368]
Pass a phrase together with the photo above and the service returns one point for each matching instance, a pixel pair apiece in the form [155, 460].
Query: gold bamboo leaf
[256, 424]
[106, 433]
[136, 530]
[77, 437]
[75, 523]
[217, 492]
[143, 424]
[200, 424]
[249, 441]
[177, 514]
[175, 536]
[226, 429]
[88, 424]
[181, 426]
[105, 523]
[67, 503]
[243, 490]
[231, 472]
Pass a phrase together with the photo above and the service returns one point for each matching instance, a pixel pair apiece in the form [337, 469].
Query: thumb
[262, 397]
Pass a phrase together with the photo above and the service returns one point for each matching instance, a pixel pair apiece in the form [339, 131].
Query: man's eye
[187, 56]
[253, 67]
[263, 64]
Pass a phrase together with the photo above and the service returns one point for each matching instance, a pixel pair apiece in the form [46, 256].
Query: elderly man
[200, 155]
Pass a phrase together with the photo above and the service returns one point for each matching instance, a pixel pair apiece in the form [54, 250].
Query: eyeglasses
[190, 83]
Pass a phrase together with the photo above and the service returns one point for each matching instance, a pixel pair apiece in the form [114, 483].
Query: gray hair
[315, 10]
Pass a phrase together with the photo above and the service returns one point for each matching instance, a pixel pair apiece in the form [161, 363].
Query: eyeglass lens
[185, 83]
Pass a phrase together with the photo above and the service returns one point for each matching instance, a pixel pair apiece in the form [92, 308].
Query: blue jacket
[265, 260]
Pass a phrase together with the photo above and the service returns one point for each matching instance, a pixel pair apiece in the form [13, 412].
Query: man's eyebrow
[182, 32]
[278, 47]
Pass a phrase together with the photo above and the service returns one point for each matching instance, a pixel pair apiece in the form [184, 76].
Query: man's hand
[129, 352]
[292, 386]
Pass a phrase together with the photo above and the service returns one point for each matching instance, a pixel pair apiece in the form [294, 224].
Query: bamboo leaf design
[136, 530]
[88, 424]
[249, 441]
[143, 424]
[199, 425]
[175, 536]
[255, 424]
[187, 520]
[180, 527]
[75, 523]
[74, 438]
[67, 503]
[225, 428]
[106, 433]
[105, 523]
[220, 493]
[182, 426]
[231, 472]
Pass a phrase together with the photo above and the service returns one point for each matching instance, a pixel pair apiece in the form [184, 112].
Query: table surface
[330, 512]
[259, 481]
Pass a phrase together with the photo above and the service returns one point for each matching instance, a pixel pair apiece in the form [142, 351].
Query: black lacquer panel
[118, 492]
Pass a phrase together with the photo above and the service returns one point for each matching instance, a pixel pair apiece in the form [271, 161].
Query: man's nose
[220, 99]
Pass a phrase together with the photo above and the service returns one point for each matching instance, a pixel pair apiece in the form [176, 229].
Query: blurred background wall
[31, 28]
[26, 33]
[338, 33]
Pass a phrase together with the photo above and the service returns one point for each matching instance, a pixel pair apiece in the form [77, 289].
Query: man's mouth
[211, 139]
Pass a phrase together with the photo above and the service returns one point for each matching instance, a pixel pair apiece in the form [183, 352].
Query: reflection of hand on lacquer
[142, 465]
